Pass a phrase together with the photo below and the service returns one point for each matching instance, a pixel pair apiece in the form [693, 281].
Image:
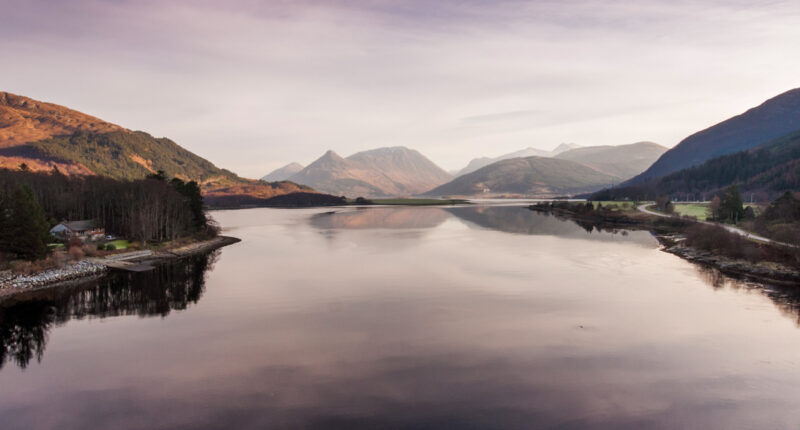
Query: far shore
[89, 269]
[670, 233]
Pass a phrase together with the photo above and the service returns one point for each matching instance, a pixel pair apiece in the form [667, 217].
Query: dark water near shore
[465, 317]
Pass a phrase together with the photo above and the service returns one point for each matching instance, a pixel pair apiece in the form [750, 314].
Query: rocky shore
[87, 269]
[81, 269]
[763, 272]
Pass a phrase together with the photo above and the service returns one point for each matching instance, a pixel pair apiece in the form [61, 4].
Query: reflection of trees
[23, 332]
[786, 299]
[24, 326]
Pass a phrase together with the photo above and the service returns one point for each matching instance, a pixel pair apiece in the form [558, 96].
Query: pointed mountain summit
[395, 171]
[564, 147]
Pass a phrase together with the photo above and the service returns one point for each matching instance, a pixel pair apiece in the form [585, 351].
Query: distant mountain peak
[283, 173]
[565, 147]
[387, 171]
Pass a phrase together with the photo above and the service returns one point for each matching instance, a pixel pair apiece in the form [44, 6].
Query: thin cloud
[253, 85]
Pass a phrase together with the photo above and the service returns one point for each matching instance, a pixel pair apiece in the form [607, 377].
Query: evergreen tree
[191, 190]
[24, 230]
[731, 205]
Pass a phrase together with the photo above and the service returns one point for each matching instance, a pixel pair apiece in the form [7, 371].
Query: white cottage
[83, 229]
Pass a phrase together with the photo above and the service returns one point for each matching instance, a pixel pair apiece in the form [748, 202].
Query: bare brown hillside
[24, 120]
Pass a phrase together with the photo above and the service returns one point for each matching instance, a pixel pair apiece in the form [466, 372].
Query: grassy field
[418, 202]
[119, 244]
[698, 210]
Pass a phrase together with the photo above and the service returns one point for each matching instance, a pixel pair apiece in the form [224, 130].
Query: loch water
[478, 317]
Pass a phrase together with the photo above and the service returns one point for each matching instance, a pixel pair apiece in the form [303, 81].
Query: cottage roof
[80, 225]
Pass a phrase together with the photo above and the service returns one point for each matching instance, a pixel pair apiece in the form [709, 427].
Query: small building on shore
[87, 230]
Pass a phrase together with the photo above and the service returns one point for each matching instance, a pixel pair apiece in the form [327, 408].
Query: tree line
[153, 209]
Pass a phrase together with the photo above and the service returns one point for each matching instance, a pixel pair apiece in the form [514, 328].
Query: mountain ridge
[622, 161]
[477, 163]
[771, 119]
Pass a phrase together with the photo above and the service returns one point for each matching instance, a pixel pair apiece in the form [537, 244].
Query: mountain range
[577, 170]
[395, 171]
[623, 161]
[477, 163]
[757, 150]
[539, 176]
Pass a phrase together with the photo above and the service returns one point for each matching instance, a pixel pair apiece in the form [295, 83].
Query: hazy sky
[253, 85]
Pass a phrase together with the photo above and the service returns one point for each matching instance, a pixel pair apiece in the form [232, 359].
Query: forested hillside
[151, 209]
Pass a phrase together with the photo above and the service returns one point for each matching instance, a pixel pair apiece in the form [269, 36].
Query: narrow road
[730, 228]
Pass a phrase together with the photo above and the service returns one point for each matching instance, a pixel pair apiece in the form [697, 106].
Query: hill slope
[533, 176]
[392, 171]
[283, 173]
[623, 161]
[769, 170]
[24, 120]
[477, 163]
[45, 135]
[773, 118]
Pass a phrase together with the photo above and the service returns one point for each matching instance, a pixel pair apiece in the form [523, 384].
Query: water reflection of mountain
[24, 326]
[381, 217]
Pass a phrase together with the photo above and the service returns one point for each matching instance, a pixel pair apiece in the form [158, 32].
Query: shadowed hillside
[772, 119]
[768, 170]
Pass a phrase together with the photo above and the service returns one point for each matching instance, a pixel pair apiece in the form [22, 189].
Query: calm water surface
[468, 317]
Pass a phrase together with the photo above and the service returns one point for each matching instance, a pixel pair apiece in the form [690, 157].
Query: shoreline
[669, 234]
[89, 269]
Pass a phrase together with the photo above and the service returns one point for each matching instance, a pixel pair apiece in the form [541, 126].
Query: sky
[253, 85]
